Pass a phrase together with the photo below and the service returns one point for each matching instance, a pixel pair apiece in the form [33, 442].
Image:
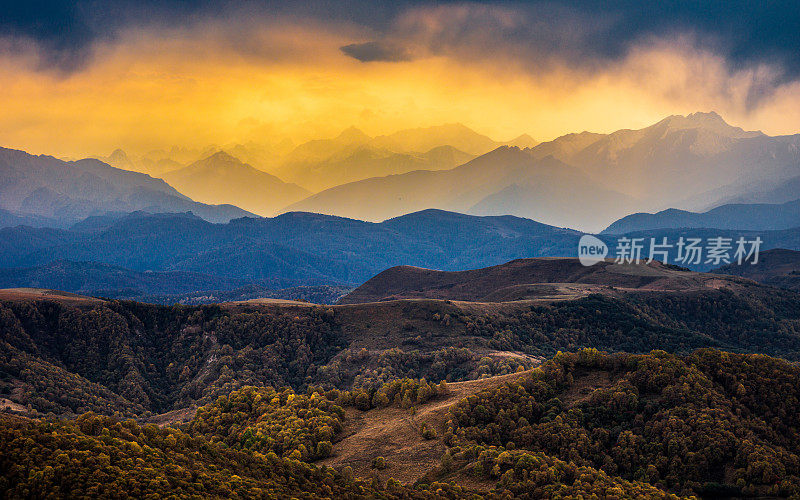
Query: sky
[83, 78]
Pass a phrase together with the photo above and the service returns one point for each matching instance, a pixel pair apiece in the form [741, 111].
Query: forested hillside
[254, 397]
[710, 423]
[706, 424]
[72, 356]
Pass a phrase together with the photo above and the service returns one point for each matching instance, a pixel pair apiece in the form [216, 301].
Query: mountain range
[297, 163]
[367, 161]
[505, 181]
[353, 155]
[288, 250]
[68, 191]
[581, 180]
[146, 165]
[87, 213]
[157, 162]
[181, 253]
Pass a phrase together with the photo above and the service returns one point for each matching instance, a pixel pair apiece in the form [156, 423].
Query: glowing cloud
[502, 71]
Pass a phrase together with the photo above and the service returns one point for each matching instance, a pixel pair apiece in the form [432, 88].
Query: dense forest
[707, 423]
[586, 424]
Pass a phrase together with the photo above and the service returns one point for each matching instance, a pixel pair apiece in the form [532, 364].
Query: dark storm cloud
[64, 31]
[376, 51]
[745, 32]
[58, 27]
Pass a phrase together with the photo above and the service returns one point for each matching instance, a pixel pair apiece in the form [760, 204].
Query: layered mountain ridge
[686, 162]
[72, 190]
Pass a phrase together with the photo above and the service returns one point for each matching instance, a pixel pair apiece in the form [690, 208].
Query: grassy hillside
[533, 279]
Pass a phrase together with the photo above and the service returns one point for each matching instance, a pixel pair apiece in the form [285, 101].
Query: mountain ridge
[554, 188]
[675, 160]
[778, 267]
[223, 178]
[756, 216]
[45, 186]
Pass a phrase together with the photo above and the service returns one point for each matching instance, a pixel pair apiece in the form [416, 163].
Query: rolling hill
[778, 267]
[425, 397]
[526, 279]
[174, 357]
[221, 178]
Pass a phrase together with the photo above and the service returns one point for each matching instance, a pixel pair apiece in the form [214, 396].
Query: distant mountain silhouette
[755, 217]
[311, 249]
[69, 191]
[770, 190]
[353, 155]
[505, 181]
[688, 161]
[221, 178]
[146, 165]
[323, 163]
[321, 149]
[523, 141]
[367, 161]
[265, 155]
[665, 161]
[299, 248]
[11, 219]
[424, 139]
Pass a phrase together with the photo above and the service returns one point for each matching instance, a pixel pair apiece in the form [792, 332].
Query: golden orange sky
[208, 84]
